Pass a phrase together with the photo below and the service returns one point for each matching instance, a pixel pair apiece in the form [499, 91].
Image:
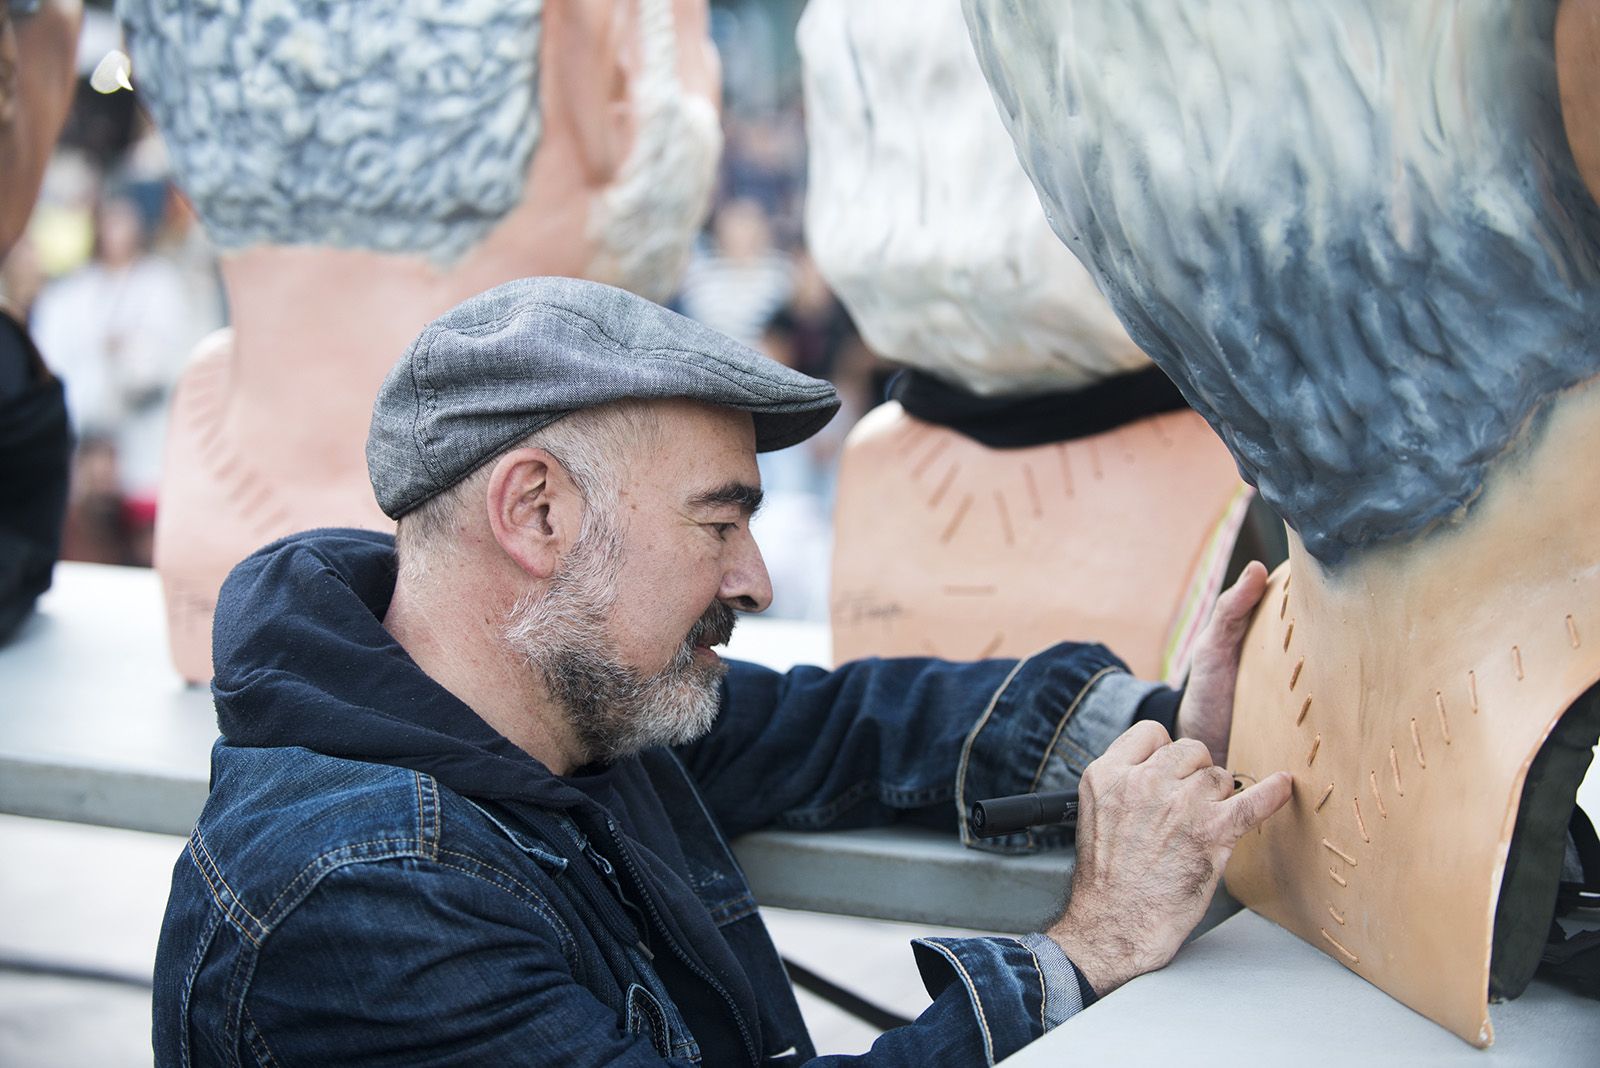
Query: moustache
[715, 627]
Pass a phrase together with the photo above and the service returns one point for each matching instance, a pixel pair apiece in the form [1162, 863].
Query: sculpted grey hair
[1352, 231]
[405, 126]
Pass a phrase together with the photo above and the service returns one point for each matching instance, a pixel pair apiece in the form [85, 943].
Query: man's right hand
[1157, 822]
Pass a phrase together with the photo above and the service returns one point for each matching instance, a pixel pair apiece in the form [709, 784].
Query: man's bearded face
[614, 710]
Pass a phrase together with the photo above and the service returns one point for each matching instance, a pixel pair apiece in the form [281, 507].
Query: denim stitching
[534, 901]
[350, 853]
[729, 909]
[202, 948]
[258, 1041]
[315, 871]
[966, 751]
[422, 819]
[660, 1035]
[821, 815]
[436, 814]
[1038, 970]
[972, 995]
[207, 869]
[1044, 761]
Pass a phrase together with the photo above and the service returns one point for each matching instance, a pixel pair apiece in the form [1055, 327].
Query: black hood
[301, 658]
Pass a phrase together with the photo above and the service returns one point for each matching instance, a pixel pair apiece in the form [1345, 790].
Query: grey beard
[614, 711]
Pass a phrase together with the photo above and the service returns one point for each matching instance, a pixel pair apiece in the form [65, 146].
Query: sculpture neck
[314, 332]
[1529, 534]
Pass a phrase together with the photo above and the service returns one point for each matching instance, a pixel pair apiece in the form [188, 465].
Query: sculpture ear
[1578, 71]
[589, 54]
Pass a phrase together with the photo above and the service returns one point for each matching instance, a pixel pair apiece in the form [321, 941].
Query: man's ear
[535, 509]
[589, 49]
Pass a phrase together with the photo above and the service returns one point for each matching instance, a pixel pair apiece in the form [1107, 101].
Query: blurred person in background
[116, 330]
[742, 280]
[37, 47]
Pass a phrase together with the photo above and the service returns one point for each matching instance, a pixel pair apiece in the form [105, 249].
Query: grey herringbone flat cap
[505, 363]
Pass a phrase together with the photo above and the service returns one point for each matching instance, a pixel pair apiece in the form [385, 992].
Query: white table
[1248, 992]
[96, 727]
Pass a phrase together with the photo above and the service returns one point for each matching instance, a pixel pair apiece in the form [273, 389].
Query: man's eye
[724, 529]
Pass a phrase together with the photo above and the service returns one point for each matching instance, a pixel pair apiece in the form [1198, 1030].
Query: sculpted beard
[615, 711]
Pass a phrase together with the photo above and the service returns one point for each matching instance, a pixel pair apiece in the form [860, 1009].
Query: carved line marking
[955, 523]
[1005, 517]
[1295, 677]
[915, 438]
[1288, 636]
[1337, 877]
[994, 643]
[1416, 744]
[1324, 799]
[1472, 688]
[1094, 461]
[1516, 658]
[1284, 607]
[927, 461]
[1394, 764]
[1341, 854]
[1444, 722]
[1361, 824]
[1377, 796]
[1286, 580]
[944, 486]
[1066, 466]
[1301, 718]
[1338, 917]
[1572, 632]
[1311, 757]
[1033, 491]
[970, 591]
[1336, 945]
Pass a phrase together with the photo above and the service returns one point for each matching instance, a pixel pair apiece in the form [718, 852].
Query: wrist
[1098, 959]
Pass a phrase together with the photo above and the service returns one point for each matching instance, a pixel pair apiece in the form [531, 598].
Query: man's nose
[746, 584]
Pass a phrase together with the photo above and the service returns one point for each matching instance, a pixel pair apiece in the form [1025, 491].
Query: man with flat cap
[475, 785]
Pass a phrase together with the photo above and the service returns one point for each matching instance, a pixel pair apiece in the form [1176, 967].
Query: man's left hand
[1207, 710]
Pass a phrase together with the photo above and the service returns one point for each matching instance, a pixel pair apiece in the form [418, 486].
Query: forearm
[877, 741]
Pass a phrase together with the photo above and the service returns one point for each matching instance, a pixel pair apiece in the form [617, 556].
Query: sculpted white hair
[920, 217]
[645, 224]
[1352, 232]
[404, 126]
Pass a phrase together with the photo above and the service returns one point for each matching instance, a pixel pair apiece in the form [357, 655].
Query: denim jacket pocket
[646, 1015]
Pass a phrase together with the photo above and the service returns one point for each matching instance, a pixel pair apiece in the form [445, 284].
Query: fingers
[1182, 758]
[1136, 744]
[1216, 782]
[1238, 600]
[1249, 808]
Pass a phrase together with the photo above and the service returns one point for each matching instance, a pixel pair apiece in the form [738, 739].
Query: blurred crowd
[118, 284]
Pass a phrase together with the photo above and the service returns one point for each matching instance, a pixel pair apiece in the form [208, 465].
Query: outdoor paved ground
[92, 898]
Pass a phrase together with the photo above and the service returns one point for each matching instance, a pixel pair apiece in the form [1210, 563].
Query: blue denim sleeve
[877, 741]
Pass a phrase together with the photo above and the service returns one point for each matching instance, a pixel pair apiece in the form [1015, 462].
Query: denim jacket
[379, 878]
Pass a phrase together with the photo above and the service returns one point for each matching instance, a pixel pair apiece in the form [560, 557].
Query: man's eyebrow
[746, 497]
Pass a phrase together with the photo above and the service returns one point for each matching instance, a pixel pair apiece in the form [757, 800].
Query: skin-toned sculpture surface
[922, 221]
[362, 173]
[1357, 235]
[38, 49]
